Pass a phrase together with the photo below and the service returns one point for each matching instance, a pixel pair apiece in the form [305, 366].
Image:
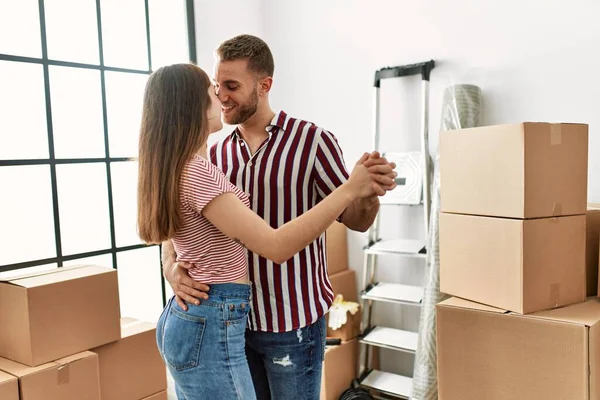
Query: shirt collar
[280, 120]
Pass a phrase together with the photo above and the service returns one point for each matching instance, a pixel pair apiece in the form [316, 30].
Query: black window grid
[52, 161]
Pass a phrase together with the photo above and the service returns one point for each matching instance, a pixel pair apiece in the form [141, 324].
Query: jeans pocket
[182, 339]
[236, 311]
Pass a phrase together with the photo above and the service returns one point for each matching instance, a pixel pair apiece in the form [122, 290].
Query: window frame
[52, 161]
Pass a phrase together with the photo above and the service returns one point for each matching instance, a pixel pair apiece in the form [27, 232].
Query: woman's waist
[230, 290]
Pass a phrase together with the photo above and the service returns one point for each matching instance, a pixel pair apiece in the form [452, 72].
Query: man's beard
[244, 112]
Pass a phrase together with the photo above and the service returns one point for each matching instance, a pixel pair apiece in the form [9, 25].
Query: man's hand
[384, 173]
[185, 288]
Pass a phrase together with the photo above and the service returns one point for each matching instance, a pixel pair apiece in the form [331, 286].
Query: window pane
[83, 206]
[22, 111]
[104, 260]
[139, 283]
[72, 30]
[27, 232]
[124, 182]
[27, 271]
[124, 34]
[124, 96]
[76, 112]
[20, 28]
[168, 32]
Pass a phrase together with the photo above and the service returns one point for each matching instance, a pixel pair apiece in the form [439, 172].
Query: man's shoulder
[299, 124]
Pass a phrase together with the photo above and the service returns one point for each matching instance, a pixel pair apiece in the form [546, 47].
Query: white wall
[217, 21]
[536, 60]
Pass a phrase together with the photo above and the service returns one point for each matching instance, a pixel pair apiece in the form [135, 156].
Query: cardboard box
[70, 378]
[158, 396]
[591, 248]
[487, 353]
[53, 314]
[337, 248]
[518, 265]
[339, 369]
[344, 283]
[527, 170]
[131, 368]
[9, 387]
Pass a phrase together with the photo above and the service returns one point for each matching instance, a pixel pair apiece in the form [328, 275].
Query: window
[72, 74]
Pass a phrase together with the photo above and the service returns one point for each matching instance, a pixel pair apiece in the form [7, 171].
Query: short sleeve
[331, 171]
[202, 183]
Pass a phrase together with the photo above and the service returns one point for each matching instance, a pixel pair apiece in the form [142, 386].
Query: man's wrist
[370, 201]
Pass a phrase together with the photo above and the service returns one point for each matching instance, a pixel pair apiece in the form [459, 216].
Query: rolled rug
[460, 109]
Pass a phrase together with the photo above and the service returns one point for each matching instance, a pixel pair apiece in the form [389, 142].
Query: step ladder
[414, 189]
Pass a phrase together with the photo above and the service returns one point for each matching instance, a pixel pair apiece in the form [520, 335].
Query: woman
[183, 197]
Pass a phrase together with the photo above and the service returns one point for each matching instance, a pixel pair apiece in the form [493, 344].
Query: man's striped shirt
[295, 168]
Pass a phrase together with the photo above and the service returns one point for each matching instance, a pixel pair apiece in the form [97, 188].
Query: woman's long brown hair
[174, 127]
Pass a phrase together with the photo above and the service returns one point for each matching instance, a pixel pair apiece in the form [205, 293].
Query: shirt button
[250, 164]
[242, 144]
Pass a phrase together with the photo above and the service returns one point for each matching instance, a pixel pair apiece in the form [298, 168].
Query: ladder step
[395, 293]
[391, 384]
[404, 247]
[394, 339]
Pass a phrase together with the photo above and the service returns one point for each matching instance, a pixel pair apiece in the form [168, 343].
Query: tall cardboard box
[53, 314]
[527, 170]
[487, 353]
[70, 378]
[518, 265]
[344, 283]
[339, 369]
[337, 248]
[158, 396]
[9, 387]
[591, 248]
[132, 368]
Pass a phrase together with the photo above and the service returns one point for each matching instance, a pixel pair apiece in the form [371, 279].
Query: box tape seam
[556, 209]
[64, 374]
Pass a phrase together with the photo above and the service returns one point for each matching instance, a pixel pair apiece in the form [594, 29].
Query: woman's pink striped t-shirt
[215, 257]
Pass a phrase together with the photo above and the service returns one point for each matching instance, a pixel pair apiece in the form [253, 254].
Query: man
[285, 166]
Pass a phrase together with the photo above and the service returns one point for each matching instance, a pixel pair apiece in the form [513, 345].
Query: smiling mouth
[226, 109]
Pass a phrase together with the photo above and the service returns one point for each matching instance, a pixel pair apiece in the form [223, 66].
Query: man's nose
[220, 95]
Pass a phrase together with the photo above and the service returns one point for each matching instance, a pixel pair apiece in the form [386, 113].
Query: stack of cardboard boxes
[513, 253]
[62, 338]
[341, 361]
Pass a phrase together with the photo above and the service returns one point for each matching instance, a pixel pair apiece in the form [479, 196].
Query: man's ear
[264, 85]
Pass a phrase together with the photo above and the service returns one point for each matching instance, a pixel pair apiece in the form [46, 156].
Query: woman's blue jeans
[204, 347]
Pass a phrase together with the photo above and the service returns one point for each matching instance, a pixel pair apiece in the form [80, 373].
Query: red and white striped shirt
[216, 258]
[298, 165]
